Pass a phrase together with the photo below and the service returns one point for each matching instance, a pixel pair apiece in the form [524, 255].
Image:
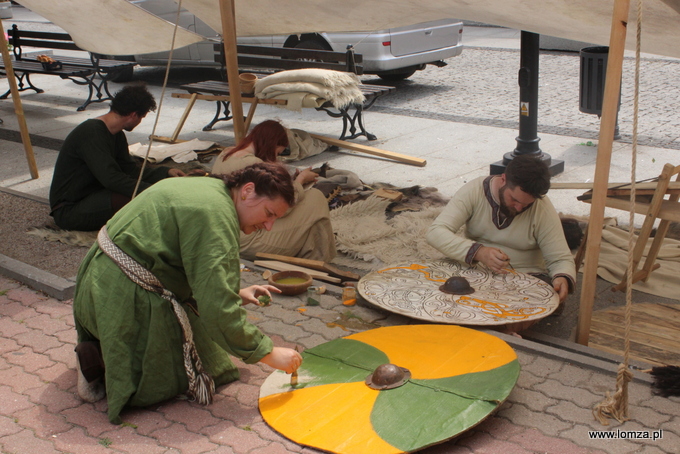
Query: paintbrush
[294, 375]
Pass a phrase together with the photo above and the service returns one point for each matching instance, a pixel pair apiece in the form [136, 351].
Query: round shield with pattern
[413, 289]
[448, 379]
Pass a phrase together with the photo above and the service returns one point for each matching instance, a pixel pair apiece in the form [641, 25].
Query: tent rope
[616, 405]
[160, 102]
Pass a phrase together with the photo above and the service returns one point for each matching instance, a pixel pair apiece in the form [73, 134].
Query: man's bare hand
[493, 258]
[561, 286]
[176, 173]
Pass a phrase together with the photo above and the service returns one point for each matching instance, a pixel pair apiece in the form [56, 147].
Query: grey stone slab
[54, 286]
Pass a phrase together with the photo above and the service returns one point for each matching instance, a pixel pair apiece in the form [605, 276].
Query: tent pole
[18, 108]
[617, 41]
[227, 12]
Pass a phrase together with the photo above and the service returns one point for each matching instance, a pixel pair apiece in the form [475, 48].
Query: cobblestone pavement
[549, 411]
[480, 87]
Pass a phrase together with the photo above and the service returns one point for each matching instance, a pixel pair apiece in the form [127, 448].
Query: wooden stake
[617, 41]
[372, 151]
[231, 61]
[18, 108]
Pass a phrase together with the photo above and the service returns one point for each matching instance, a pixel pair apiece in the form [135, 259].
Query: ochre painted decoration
[412, 289]
[458, 377]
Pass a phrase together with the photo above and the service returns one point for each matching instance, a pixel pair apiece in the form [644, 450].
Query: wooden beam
[372, 151]
[231, 61]
[18, 108]
[674, 185]
[612, 87]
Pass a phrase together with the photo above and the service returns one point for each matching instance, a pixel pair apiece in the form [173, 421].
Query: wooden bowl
[290, 289]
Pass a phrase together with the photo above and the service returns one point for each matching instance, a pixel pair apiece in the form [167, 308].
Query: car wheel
[396, 77]
[124, 75]
[311, 43]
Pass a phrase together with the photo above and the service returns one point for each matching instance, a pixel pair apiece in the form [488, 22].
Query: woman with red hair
[305, 230]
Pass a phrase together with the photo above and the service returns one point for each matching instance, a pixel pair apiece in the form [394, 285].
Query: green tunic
[186, 232]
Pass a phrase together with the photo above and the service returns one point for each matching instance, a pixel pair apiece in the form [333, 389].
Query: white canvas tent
[602, 22]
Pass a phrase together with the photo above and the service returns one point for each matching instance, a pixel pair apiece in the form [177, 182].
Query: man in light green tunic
[508, 221]
[186, 232]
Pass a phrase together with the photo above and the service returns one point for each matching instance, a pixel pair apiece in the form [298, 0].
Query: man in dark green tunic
[94, 175]
[186, 232]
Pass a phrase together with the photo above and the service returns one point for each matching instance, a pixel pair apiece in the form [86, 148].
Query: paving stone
[535, 441]
[12, 401]
[533, 400]
[144, 422]
[41, 422]
[664, 405]
[37, 341]
[28, 360]
[568, 411]
[544, 367]
[8, 426]
[78, 442]
[528, 380]
[240, 439]
[483, 443]
[575, 394]
[178, 437]
[312, 341]
[19, 380]
[194, 417]
[579, 435]
[289, 332]
[94, 422]
[26, 441]
[126, 439]
[519, 414]
[8, 329]
[500, 428]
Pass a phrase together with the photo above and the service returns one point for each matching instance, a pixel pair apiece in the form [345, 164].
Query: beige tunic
[534, 240]
[304, 231]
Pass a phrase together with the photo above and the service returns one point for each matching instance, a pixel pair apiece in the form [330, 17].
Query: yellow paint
[346, 428]
[301, 309]
[500, 310]
[291, 280]
[336, 325]
[416, 267]
[426, 350]
[351, 302]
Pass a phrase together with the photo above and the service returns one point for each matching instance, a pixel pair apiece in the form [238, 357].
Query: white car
[393, 54]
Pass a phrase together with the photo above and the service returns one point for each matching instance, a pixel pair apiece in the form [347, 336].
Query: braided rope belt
[201, 385]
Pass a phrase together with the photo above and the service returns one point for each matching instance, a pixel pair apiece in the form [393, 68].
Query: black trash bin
[593, 75]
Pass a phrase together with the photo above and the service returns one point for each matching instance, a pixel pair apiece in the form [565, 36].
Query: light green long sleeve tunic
[186, 232]
[534, 240]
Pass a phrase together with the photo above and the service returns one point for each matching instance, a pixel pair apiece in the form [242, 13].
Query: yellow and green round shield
[453, 378]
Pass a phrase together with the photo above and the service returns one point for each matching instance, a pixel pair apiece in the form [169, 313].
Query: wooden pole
[612, 87]
[227, 12]
[372, 151]
[18, 108]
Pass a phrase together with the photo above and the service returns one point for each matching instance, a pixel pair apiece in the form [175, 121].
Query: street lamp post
[527, 140]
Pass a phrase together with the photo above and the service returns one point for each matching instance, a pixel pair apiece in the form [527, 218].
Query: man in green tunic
[185, 232]
[94, 175]
[508, 221]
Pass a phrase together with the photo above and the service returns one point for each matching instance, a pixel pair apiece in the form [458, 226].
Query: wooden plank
[669, 210]
[638, 186]
[372, 151]
[643, 333]
[610, 108]
[18, 107]
[227, 98]
[646, 354]
[280, 266]
[313, 264]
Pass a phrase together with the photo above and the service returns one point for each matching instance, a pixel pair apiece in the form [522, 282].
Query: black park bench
[266, 60]
[93, 72]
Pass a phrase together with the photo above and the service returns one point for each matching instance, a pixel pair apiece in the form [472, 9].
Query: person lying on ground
[305, 231]
[94, 175]
[180, 241]
[509, 222]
